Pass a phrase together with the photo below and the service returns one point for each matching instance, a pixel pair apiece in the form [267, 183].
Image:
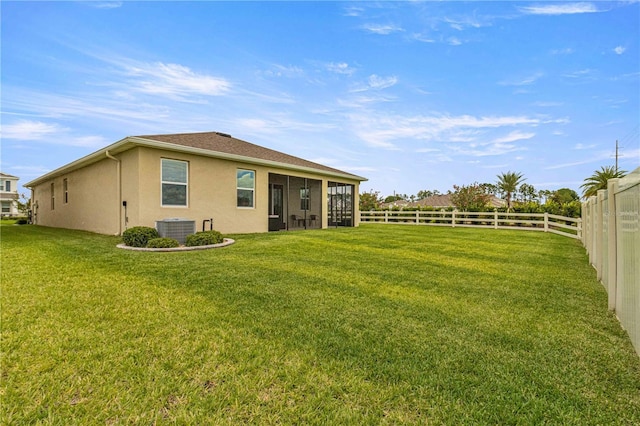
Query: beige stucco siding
[212, 193]
[92, 202]
[96, 193]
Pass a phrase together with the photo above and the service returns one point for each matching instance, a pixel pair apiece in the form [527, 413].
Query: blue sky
[411, 95]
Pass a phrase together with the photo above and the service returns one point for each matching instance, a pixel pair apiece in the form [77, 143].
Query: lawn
[382, 324]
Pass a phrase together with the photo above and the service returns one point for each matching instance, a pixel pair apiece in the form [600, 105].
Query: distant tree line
[518, 195]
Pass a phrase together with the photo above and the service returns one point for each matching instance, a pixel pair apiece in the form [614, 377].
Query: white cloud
[374, 82]
[381, 29]
[422, 38]
[174, 80]
[547, 104]
[514, 136]
[565, 51]
[353, 10]
[560, 9]
[587, 74]
[106, 4]
[28, 130]
[619, 50]
[525, 81]
[581, 146]
[382, 130]
[454, 41]
[377, 82]
[284, 71]
[340, 68]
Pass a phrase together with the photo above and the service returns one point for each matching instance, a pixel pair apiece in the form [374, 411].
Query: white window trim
[186, 184]
[253, 193]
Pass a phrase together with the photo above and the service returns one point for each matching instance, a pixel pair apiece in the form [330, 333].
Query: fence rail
[544, 222]
[612, 240]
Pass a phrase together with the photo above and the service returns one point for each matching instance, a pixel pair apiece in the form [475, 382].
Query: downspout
[111, 157]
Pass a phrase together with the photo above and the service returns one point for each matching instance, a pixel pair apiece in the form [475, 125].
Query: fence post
[592, 230]
[453, 219]
[546, 222]
[600, 234]
[386, 216]
[417, 217]
[612, 244]
[495, 218]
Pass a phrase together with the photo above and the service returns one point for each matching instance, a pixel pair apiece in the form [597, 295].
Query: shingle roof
[224, 143]
[213, 144]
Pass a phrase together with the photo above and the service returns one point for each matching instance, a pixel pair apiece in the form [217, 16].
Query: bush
[22, 221]
[162, 243]
[204, 238]
[139, 236]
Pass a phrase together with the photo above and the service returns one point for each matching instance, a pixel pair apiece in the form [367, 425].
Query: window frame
[53, 196]
[240, 188]
[168, 182]
[65, 191]
[305, 198]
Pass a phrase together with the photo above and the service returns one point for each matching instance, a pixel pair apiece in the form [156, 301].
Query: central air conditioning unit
[176, 228]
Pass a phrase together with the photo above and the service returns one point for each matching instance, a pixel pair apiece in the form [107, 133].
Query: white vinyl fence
[544, 222]
[612, 239]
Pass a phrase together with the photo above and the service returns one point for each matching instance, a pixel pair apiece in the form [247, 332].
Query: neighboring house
[242, 187]
[9, 195]
[442, 201]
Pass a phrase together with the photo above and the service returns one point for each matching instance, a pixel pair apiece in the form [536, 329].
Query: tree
[370, 201]
[563, 196]
[470, 197]
[392, 198]
[528, 193]
[426, 193]
[508, 184]
[599, 179]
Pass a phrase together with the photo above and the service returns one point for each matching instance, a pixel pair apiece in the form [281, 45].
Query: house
[9, 195]
[443, 201]
[212, 179]
[440, 201]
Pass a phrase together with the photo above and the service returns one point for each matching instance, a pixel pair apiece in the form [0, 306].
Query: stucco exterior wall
[212, 193]
[96, 194]
[91, 203]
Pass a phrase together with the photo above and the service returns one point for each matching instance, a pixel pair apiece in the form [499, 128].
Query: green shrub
[162, 243]
[22, 221]
[139, 236]
[204, 238]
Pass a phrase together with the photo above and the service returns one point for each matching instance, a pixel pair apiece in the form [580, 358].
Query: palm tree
[599, 180]
[508, 184]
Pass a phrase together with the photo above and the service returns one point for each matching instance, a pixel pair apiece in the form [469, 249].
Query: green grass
[380, 324]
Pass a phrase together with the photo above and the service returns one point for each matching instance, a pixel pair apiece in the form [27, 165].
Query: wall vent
[176, 228]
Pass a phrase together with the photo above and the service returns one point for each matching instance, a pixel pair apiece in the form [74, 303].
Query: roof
[439, 201]
[224, 143]
[5, 175]
[208, 144]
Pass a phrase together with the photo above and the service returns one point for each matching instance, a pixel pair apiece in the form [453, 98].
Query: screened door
[340, 204]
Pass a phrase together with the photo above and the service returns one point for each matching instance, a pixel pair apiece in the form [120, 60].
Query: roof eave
[131, 141]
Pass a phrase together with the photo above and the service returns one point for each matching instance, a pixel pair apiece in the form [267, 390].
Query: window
[65, 190]
[53, 197]
[304, 198]
[6, 207]
[246, 183]
[174, 182]
[7, 186]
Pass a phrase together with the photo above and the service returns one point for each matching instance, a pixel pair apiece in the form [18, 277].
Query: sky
[410, 95]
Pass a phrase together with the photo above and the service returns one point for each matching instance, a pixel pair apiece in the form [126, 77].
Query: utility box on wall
[176, 228]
